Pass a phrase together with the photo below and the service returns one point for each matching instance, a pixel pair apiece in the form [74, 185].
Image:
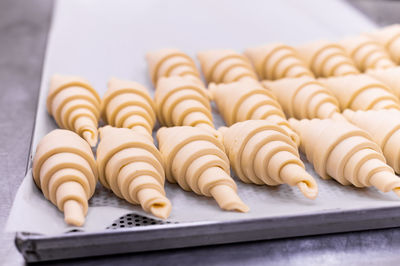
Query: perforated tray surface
[99, 39]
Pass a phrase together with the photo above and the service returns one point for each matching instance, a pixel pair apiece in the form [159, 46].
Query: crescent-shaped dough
[196, 160]
[342, 151]
[65, 170]
[277, 61]
[75, 105]
[389, 76]
[128, 104]
[361, 92]
[224, 66]
[384, 128]
[327, 59]
[171, 62]
[304, 98]
[249, 100]
[131, 166]
[263, 153]
[366, 53]
[389, 37]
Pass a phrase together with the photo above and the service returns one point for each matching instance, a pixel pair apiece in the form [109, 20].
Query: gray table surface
[23, 30]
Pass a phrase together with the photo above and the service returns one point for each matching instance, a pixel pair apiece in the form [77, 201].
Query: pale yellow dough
[384, 128]
[196, 160]
[263, 153]
[327, 59]
[304, 98]
[389, 76]
[171, 62]
[389, 37]
[277, 61]
[128, 104]
[75, 105]
[249, 100]
[367, 53]
[65, 170]
[342, 151]
[361, 92]
[224, 66]
[131, 166]
[183, 102]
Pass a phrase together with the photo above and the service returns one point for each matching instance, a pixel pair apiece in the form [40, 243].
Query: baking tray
[133, 232]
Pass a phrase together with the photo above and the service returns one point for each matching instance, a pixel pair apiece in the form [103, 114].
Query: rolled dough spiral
[361, 92]
[171, 62]
[277, 61]
[131, 166]
[367, 53]
[128, 104]
[346, 153]
[196, 160]
[389, 76]
[304, 97]
[327, 59]
[263, 153]
[75, 105]
[384, 128]
[224, 66]
[182, 102]
[65, 170]
[389, 37]
[248, 100]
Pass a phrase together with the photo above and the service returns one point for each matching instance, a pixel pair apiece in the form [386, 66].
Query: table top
[24, 27]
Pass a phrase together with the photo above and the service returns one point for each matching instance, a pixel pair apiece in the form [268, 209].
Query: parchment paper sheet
[100, 39]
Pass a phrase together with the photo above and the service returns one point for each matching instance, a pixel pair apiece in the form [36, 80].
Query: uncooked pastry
[65, 170]
[224, 66]
[262, 153]
[171, 62]
[389, 37]
[389, 76]
[342, 151]
[131, 166]
[249, 100]
[384, 128]
[75, 105]
[304, 98]
[366, 53]
[361, 92]
[183, 102]
[327, 59]
[196, 160]
[277, 61]
[128, 104]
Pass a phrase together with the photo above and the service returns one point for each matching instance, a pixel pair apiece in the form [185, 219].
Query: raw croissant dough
[128, 104]
[366, 53]
[361, 92]
[327, 59]
[276, 61]
[263, 153]
[390, 77]
[384, 128]
[304, 97]
[75, 105]
[182, 102]
[196, 160]
[345, 152]
[65, 170]
[131, 166]
[171, 62]
[389, 37]
[224, 66]
[248, 100]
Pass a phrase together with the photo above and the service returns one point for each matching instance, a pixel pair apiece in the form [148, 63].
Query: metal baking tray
[134, 232]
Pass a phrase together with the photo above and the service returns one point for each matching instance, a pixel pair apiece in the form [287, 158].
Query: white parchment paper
[100, 39]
